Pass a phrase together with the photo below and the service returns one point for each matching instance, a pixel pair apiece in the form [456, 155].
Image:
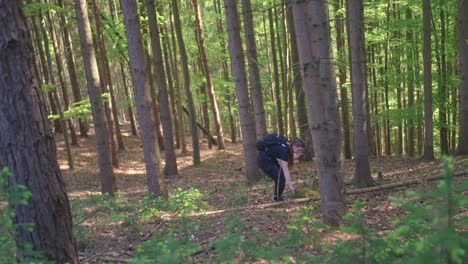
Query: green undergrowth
[432, 229]
[100, 211]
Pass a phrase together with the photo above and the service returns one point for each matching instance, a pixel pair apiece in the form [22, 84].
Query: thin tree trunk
[340, 45]
[58, 62]
[156, 184]
[238, 71]
[388, 150]
[362, 174]
[254, 73]
[428, 144]
[106, 86]
[410, 78]
[170, 157]
[177, 90]
[276, 80]
[313, 40]
[443, 94]
[209, 82]
[188, 89]
[95, 95]
[462, 30]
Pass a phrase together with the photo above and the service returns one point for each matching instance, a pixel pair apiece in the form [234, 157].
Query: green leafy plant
[174, 247]
[185, 202]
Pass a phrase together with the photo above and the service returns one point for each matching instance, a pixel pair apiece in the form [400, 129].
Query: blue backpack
[269, 140]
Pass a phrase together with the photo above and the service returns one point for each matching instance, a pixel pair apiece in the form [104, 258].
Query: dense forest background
[375, 89]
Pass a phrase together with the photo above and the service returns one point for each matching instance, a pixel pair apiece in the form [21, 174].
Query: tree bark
[188, 89]
[209, 82]
[28, 148]
[95, 95]
[410, 78]
[313, 40]
[238, 71]
[462, 30]
[362, 174]
[340, 45]
[166, 120]
[304, 130]
[105, 78]
[156, 184]
[276, 80]
[254, 73]
[428, 139]
[57, 48]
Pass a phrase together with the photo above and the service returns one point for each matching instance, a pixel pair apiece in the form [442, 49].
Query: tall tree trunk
[276, 80]
[177, 90]
[443, 94]
[362, 174]
[188, 89]
[304, 130]
[410, 78]
[238, 71]
[388, 143]
[28, 147]
[57, 48]
[254, 73]
[428, 144]
[340, 45]
[106, 87]
[75, 86]
[95, 95]
[168, 67]
[166, 120]
[47, 65]
[230, 99]
[462, 30]
[313, 40]
[156, 184]
[209, 82]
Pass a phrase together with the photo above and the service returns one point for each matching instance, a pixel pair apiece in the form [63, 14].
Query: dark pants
[272, 169]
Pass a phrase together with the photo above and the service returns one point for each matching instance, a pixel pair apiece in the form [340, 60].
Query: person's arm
[287, 176]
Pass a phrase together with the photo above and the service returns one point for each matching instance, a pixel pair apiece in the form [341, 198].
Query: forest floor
[221, 182]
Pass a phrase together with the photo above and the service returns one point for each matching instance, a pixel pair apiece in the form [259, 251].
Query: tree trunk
[188, 89]
[362, 174]
[209, 82]
[57, 50]
[313, 40]
[462, 30]
[443, 94]
[340, 45]
[276, 80]
[254, 73]
[387, 133]
[428, 144]
[410, 78]
[95, 95]
[106, 87]
[28, 146]
[183, 142]
[238, 71]
[156, 184]
[304, 130]
[170, 156]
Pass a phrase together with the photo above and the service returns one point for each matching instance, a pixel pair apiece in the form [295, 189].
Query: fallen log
[310, 199]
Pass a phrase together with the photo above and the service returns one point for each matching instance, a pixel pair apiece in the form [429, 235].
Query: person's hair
[291, 156]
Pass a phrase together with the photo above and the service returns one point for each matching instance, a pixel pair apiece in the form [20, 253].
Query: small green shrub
[184, 202]
[174, 247]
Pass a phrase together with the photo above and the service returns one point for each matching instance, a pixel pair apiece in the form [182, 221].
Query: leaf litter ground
[220, 179]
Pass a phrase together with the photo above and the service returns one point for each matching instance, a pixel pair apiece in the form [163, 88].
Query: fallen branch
[401, 184]
[207, 133]
[309, 199]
